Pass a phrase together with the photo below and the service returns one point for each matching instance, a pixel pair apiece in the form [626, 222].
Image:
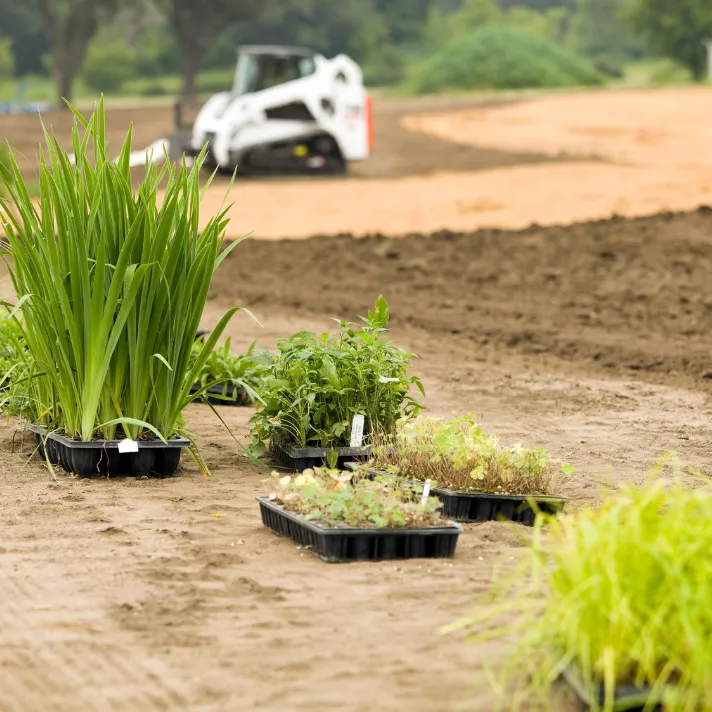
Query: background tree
[69, 25]
[354, 27]
[20, 22]
[196, 24]
[404, 19]
[675, 29]
[7, 61]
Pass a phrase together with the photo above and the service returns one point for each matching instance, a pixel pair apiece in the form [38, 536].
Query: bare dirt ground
[629, 153]
[466, 163]
[590, 340]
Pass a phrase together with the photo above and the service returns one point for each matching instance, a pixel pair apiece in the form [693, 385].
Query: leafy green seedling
[459, 455]
[316, 384]
[332, 497]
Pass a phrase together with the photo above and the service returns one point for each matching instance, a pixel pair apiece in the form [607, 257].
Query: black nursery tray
[303, 458]
[235, 397]
[626, 697]
[350, 544]
[481, 507]
[102, 457]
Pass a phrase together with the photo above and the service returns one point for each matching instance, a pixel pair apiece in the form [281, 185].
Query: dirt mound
[629, 295]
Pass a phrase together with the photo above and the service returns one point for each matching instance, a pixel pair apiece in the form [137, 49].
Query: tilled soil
[170, 595]
[622, 296]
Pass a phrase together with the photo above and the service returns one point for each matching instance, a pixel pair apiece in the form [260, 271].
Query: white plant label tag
[128, 445]
[426, 493]
[357, 431]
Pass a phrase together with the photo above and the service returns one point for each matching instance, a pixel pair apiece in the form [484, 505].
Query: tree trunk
[187, 18]
[68, 35]
[191, 63]
[698, 67]
[63, 81]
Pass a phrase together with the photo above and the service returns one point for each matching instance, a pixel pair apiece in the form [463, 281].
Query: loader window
[256, 72]
[246, 75]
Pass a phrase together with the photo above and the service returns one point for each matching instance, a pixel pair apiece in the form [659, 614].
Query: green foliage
[620, 592]
[229, 371]
[675, 29]
[5, 168]
[108, 65]
[599, 32]
[7, 60]
[503, 58]
[15, 368]
[21, 22]
[317, 383]
[157, 54]
[111, 285]
[458, 454]
[327, 26]
[444, 27]
[331, 497]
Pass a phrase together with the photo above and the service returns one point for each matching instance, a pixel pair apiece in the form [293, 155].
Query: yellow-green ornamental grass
[621, 593]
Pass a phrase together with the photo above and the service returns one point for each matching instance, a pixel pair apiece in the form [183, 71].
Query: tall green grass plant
[111, 284]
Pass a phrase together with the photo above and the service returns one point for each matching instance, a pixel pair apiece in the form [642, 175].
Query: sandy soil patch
[656, 128]
[504, 197]
[652, 145]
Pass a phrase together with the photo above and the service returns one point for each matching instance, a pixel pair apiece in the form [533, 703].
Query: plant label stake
[426, 493]
[357, 431]
[128, 445]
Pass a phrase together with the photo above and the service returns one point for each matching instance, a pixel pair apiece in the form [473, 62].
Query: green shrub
[108, 66]
[503, 58]
[619, 594]
[316, 384]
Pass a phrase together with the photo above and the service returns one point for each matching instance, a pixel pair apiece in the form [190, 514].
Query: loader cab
[260, 68]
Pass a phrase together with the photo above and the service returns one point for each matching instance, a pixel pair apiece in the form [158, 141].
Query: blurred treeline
[152, 47]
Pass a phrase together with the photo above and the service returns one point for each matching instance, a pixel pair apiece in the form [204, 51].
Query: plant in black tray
[23, 392]
[332, 497]
[316, 384]
[111, 283]
[469, 468]
[616, 599]
[342, 517]
[231, 377]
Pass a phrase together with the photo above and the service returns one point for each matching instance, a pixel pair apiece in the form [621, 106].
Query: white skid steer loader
[290, 110]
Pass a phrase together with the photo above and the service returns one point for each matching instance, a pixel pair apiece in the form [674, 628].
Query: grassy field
[156, 90]
[38, 88]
